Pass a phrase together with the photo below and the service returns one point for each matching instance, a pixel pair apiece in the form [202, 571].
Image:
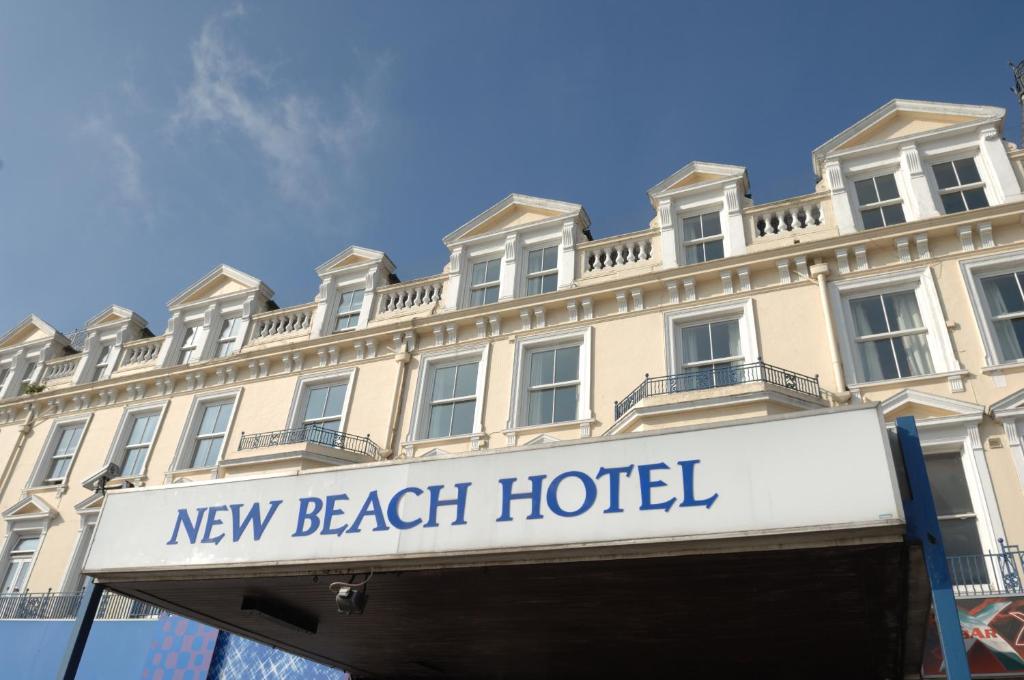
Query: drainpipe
[392, 444]
[820, 272]
[19, 445]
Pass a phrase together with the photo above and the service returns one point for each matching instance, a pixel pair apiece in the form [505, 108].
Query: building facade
[898, 281]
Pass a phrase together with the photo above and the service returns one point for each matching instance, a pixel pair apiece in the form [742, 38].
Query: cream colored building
[899, 280]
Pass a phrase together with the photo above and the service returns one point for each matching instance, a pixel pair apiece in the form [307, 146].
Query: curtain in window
[903, 306]
[1004, 297]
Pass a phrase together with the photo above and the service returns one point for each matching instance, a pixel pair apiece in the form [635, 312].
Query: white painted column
[453, 286]
[669, 249]
[1016, 450]
[509, 264]
[992, 151]
[567, 256]
[984, 480]
[842, 209]
[172, 336]
[734, 232]
[325, 298]
[920, 198]
[15, 377]
[369, 297]
[90, 350]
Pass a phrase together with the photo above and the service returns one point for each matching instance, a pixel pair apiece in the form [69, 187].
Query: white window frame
[470, 287]
[699, 211]
[358, 312]
[520, 376]
[124, 429]
[6, 371]
[33, 367]
[920, 280]
[101, 369]
[528, 248]
[232, 342]
[195, 349]
[952, 157]
[11, 543]
[973, 271]
[741, 310]
[187, 442]
[37, 479]
[872, 174]
[73, 576]
[297, 410]
[429, 363]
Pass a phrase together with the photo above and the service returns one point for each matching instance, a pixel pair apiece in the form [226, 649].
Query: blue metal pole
[80, 631]
[923, 528]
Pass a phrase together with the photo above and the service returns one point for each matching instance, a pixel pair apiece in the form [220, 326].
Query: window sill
[999, 368]
[913, 380]
[513, 434]
[454, 439]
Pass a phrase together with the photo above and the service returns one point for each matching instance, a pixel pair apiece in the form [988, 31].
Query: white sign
[827, 471]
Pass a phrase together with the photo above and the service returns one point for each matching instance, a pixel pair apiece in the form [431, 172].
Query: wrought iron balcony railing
[314, 434]
[719, 376]
[999, 573]
[56, 605]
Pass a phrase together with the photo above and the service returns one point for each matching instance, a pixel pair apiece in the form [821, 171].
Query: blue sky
[142, 144]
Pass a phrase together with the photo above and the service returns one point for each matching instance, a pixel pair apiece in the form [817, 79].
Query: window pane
[725, 339]
[872, 218]
[490, 294]
[551, 257]
[209, 421]
[348, 321]
[534, 286]
[902, 311]
[691, 228]
[59, 468]
[960, 537]
[696, 344]
[967, 171]
[565, 403]
[953, 203]
[151, 421]
[1003, 294]
[694, 254]
[567, 363]
[542, 367]
[878, 360]
[866, 192]
[465, 380]
[462, 417]
[975, 199]
[440, 420]
[315, 402]
[133, 461]
[1010, 338]
[137, 435]
[894, 214]
[335, 399]
[444, 383]
[713, 250]
[477, 297]
[710, 224]
[207, 451]
[912, 355]
[868, 316]
[479, 273]
[541, 403]
[535, 261]
[949, 484]
[494, 269]
[223, 416]
[944, 175]
[886, 185]
[27, 544]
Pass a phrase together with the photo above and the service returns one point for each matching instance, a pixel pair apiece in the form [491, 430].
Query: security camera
[349, 598]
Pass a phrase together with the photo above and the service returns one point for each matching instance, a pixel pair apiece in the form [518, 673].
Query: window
[349, 308]
[542, 270]
[960, 185]
[890, 336]
[452, 400]
[710, 352]
[189, 344]
[702, 238]
[63, 452]
[324, 404]
[484, 285]
[1005, 299]
[880, 202]
[136, 447]
[229, 331]
[209, 439]
[553, 390]
[99, 372]
[957, 519]
[4, 374]
[19, 564]
[26, 378]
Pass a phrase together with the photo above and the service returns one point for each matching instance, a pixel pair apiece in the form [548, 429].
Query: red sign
[993, 630]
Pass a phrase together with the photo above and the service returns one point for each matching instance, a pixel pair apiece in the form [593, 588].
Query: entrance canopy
[747, 540]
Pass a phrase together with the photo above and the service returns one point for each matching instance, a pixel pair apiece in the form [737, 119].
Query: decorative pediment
[93, 503]
[1009, 406]
[925, 406]
[31, 330]
[355, 257]
[904, 119]
[515, 212]
[542, 439]
[698, 174]
[223, 281]
[29, 507]
[433, 453]
[115, 314]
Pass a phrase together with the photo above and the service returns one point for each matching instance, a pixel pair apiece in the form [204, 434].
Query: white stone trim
[973, 270]
[301, 392]
[584, 404]
[431, 361]
[743, 310]
[128, 414]
[36, 480]
[188, 432]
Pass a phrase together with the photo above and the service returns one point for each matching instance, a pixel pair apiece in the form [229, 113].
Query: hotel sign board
[830, 470]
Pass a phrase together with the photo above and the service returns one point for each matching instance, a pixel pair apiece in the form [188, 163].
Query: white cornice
[372, 257]
[251, 283]
[33, 320]
[954, 406]
[565, 210]
[726, 173]
[127, 316]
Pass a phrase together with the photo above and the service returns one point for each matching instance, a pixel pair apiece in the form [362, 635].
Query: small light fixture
[350, 597]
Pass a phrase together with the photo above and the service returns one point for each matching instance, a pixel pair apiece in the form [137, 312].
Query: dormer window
[484, 284]
[542, 270]
[228, 340]
[189, 344]
[960, 185]
[702, 238]
[5, 373]
[99, 372]
[349, 307]
[26, 377]
[880, 202]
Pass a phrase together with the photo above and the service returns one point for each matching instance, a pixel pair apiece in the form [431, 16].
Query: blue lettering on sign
[570, 494]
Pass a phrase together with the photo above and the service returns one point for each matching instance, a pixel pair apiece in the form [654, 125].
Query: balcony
[315, 440]
[57, 605]
[713, 394]
[989, 574]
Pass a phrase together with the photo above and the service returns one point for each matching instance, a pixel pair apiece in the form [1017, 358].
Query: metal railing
[999, 573]
[314, 434]
[719, 376]
[57, 605]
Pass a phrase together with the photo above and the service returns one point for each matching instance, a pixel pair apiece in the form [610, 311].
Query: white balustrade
[61, 368]
[410, 295]
[779, 220]
[621, 252]
[269, 325]
[140, 352]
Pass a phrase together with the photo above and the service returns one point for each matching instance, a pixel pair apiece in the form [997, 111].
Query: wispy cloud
[292, 133]
[124, 161]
